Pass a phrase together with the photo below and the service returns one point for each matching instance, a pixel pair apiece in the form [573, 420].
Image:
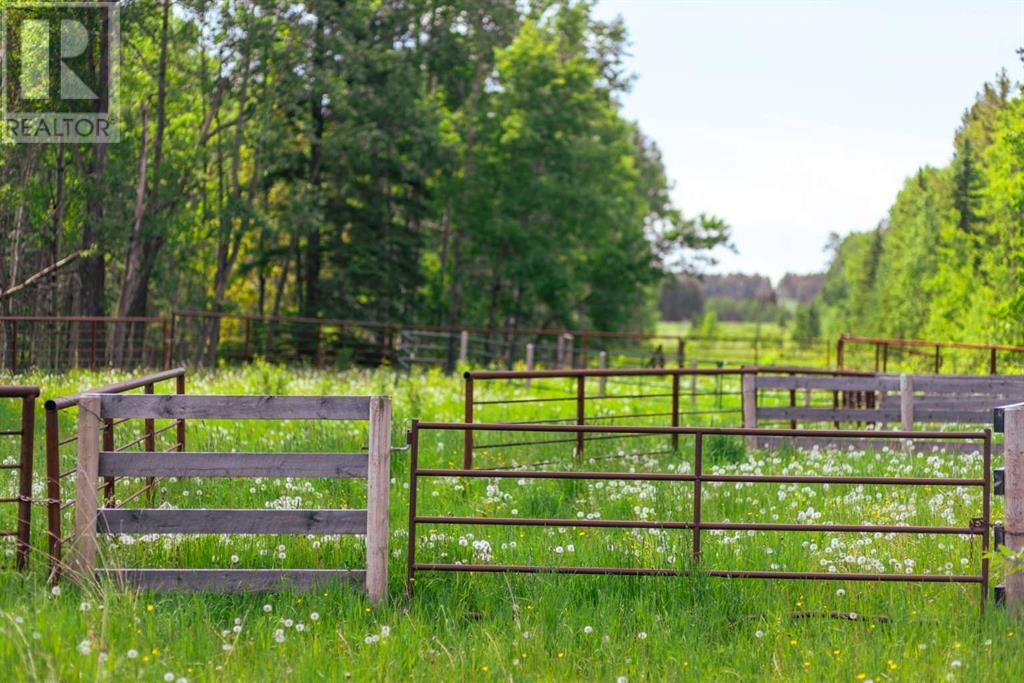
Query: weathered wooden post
[378, 478]
[907, 402]
[569, 351]
[463, 347]
[602, 363]
[529, 362]
[1013, 533]
[907, 407]
[749, 395]
[560, 352]
[83, 547]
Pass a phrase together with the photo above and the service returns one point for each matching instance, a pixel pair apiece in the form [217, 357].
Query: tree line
[948, 260]
[410, 161]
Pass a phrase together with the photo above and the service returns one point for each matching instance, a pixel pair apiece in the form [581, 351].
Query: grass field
[524, 627]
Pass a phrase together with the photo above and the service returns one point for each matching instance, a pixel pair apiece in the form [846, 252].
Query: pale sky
[792, 120]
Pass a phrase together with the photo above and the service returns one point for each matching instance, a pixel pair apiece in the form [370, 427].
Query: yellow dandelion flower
[861, 677]
[150, 608]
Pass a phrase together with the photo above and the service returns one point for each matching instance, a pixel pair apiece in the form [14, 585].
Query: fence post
[581, 407]
[529, 363]
[109, 483]
[602, 382]
[150, 446]
[467, 452]
[463, 347]
[675, 408]
[1013, 526]
[83, 548]
[179, 388]
[53, 491]
[570, 351]
[377, 482]
[749, 407]
[560, 351]
[938, 359]
[681, 353]
[28, 422]
[992, 362]
[907, 402]
[839, 353]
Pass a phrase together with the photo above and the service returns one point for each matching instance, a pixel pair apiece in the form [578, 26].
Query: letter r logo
[60, 71]
[35, 59]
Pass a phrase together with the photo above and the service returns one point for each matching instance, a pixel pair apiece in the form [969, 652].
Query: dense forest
[395, 160]
[948, 260]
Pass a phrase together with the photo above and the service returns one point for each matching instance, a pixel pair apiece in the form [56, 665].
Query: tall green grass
[524, 627]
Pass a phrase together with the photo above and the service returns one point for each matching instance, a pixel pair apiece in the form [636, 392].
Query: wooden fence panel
[371, 522]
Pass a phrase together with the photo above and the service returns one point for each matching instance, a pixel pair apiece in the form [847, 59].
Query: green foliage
[806, 322]
[948, 261]
[415, 162]
[709, 326]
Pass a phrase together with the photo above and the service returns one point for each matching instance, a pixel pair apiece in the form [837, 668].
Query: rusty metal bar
[726, 431]
[708, 526]
[149, 427]
[414, 450]
[109, 492]
[28, 422]
[698, 473]
[675, 409]
[986, 512]
[722, 573]
[581, 407]
[467, 455]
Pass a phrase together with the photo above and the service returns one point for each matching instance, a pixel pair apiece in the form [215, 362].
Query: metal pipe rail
[26, 435]
[882, 346]
[977, 527]
[582, 396]
[54, 440]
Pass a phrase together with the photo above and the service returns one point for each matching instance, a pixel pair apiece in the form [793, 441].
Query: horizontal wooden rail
[232, 580]
[198, 464]
[829, 414]
[839, 383]
[227, 521]
[171, 406]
